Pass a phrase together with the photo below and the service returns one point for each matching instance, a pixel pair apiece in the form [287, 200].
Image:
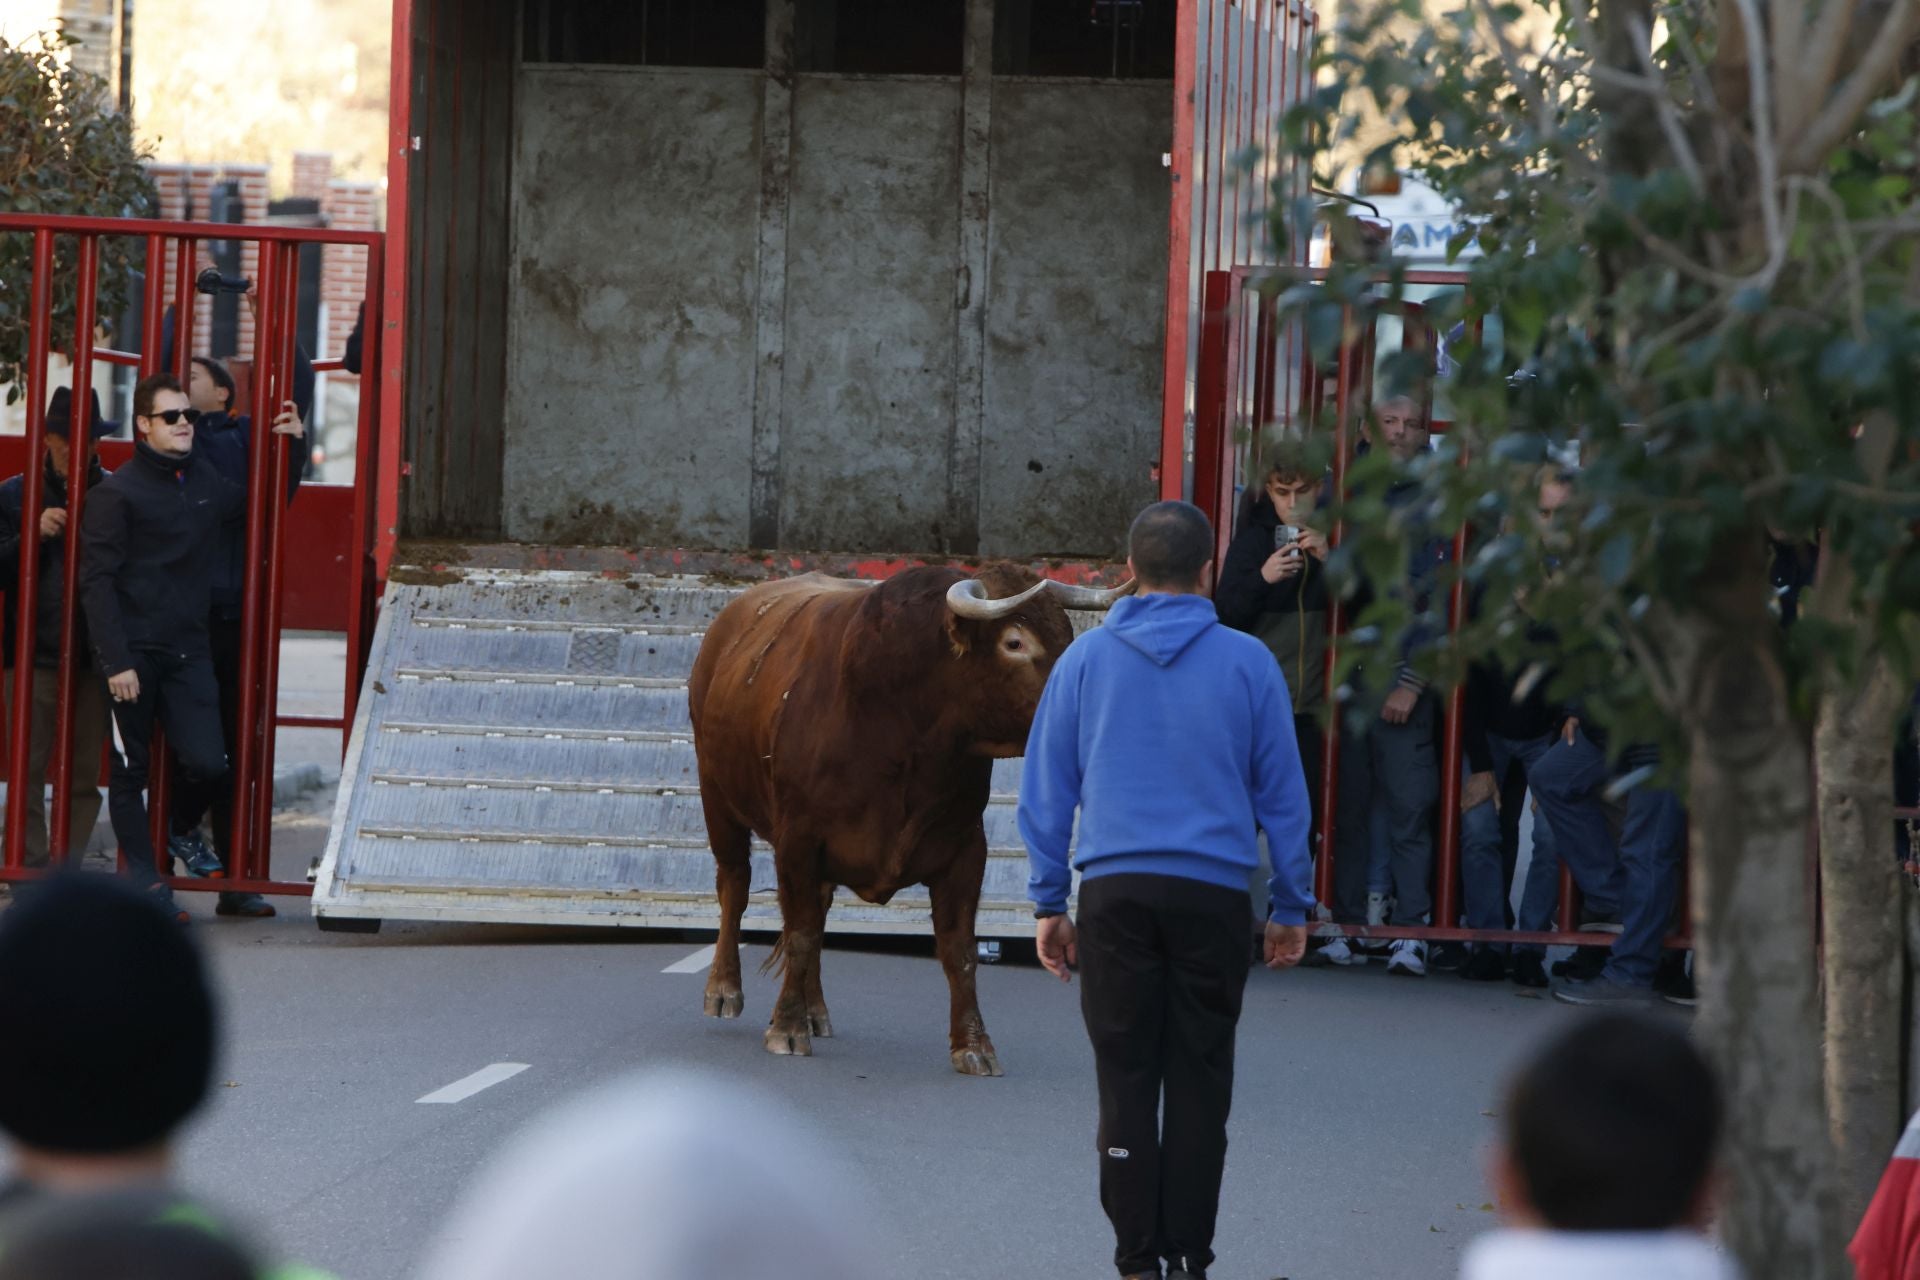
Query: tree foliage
[64, 149]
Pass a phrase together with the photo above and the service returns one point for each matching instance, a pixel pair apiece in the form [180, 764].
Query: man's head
[1170, 548]
[1291, 484]
[109, 1023]
[210, 386]
[60, 427]
[163, 415]
[1400, 427]
[1612, 1126]
[1555, 489]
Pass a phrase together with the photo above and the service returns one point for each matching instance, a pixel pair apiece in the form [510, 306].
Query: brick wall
[312, 171]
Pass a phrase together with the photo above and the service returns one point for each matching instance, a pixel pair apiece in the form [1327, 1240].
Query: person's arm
[103, 549]
[1050, 788]
[303, 381]
[1280, 802]
[10, 498]
[1241, 591]
[350, 358]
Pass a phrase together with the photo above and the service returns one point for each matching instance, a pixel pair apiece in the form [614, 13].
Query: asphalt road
[1362, 1116]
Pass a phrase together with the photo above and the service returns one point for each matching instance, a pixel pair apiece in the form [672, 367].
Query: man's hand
[53, 522]
[1285, 944]
[124, 687]
[1572, 727]
[1477, 790]
[288, 423]
[1399, 706]
[1313, 544]
[1058, 945]
[1281, 565]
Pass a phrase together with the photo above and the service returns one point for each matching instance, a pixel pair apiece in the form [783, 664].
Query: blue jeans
[1483, 870]
[1390, 774]
[1638, 876]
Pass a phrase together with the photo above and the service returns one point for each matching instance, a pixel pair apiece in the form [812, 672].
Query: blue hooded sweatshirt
[1173, 737]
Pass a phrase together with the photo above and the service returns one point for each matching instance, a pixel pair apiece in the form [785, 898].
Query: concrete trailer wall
[916, 314]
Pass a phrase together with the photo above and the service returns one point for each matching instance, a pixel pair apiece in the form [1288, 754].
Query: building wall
[829, 312]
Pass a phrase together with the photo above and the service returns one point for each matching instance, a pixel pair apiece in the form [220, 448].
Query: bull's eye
[1014, 645]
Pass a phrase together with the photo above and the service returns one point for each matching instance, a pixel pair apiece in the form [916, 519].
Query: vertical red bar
[1180, 232]
[183, 299]
[39, 341]
[1564, 911]
[80, 453]
[153, 312]
[261, 853]
[1210, 395]
[243, 757]
[160, 770]
[387, 377]
[362, 572]
[1336, 617]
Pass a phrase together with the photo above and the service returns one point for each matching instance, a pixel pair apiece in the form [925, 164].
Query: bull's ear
[959, 635]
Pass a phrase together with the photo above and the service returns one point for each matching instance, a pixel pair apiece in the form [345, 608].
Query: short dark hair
[223, 379]
[1169, 544]
[1613, 1126]
[1288, 461]
[147, 389]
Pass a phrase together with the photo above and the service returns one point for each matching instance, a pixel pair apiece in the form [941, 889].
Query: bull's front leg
[803, 921]
[956, 898]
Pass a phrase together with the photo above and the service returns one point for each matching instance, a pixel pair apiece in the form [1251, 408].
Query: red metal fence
[1239, 66]
[333, 525]
[1256, 377]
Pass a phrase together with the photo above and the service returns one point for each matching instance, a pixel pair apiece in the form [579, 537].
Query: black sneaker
[1448, 957]
[1584, 965]
[196, 855]
[1674, 980]
[250, 905]
[1485, 965]
[1528, 970]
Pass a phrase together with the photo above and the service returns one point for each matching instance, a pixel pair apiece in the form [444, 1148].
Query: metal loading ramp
[522, 754]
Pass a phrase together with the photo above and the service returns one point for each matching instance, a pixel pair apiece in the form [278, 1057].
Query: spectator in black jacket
[1273, 586]
[226, 441]
[90, 700]
[149, 537]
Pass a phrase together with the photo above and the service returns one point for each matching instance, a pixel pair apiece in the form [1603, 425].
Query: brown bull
[854, 728]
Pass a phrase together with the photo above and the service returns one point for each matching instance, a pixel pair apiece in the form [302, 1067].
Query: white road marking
[699, 962]
[485, 1078]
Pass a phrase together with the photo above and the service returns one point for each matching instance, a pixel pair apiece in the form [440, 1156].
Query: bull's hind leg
[956, 899]
[818, 1021]
[803, 919]
[733, 877]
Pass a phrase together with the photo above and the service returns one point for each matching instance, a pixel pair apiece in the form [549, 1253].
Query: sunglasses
[172, 416]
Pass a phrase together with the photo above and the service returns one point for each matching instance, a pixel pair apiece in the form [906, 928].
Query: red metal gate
[338, 520]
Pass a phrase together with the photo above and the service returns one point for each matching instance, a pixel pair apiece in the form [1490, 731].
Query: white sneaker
[1337, 950]
[1408, 958]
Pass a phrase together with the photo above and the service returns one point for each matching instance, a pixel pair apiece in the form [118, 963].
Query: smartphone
[1284, 536]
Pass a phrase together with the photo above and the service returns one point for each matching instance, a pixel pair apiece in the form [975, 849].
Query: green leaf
[1616, 559]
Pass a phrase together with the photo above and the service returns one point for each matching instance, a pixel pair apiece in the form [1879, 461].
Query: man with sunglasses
[148, 540]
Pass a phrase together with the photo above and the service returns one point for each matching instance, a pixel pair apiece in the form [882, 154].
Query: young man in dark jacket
[149, 539]
[90, 715]
[226, 442]
[1273, 586]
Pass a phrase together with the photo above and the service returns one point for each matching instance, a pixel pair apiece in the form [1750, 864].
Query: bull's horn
[1090, 597]
[968, 599]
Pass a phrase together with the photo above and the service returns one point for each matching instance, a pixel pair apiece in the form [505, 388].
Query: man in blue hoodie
[1172, 736]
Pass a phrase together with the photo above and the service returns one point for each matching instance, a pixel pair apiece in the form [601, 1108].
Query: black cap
[109, 1020]
[60, 415]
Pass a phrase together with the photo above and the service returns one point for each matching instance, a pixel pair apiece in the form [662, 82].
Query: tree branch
[1820, 38]
[1849, 253]
[1760, 106]
[1841, 114]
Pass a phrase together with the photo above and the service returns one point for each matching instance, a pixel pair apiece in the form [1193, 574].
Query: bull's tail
[776, 961]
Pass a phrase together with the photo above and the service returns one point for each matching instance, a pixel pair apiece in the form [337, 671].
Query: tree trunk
[1861, 931]
[1750, 798]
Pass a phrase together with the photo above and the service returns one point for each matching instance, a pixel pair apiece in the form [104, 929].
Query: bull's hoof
[725, 1004]
[820, 1024]
[785, 1044]
[976, 1061]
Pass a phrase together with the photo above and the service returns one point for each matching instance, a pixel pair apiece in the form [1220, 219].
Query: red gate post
[361, 572]
[1210, 399]
[26, 579]
[274, 506]
[79, 459]
[1336, 610]
[266, 393]
[1446, 871]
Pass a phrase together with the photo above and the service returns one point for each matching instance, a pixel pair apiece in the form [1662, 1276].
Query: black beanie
[106, 1018]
